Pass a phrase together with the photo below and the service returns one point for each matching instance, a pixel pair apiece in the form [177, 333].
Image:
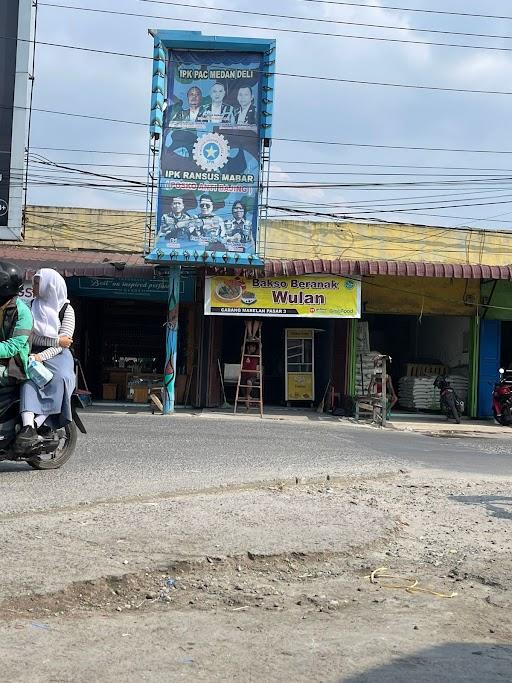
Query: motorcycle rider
[15, 328]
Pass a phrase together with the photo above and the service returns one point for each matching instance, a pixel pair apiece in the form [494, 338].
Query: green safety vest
[15, 333]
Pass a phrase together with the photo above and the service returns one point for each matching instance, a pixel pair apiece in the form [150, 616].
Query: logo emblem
[211, 152]
[3, 207]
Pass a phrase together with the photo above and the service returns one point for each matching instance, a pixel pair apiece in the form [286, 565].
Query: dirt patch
[273, 585]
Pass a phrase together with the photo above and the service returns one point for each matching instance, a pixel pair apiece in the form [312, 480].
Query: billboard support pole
[263, 191]
[149, 228]
[171, 346]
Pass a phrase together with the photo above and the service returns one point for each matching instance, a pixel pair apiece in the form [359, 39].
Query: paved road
[139, 454]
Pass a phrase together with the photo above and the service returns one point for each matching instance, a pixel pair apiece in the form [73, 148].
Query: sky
[457, 192]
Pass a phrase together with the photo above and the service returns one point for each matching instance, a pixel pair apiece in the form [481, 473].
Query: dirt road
[273, 587]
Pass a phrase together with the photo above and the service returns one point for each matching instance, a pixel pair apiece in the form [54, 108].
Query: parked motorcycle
[451, 404]
[54, 447]
[502, 398]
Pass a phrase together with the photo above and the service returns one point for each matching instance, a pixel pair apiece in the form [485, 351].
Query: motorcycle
[502, 398]
[53, 448]
[451, 404]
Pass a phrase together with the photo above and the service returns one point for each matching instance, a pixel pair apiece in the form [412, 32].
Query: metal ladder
[257, 381]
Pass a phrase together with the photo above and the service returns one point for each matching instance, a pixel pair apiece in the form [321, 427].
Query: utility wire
[280, 30]
[408, 9]
[408, 86]
[142, 184]
[209, 8]
[295, 140]
[480, 176]
[290, 161]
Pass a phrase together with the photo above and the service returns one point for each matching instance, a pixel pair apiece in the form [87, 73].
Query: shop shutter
[490, 342]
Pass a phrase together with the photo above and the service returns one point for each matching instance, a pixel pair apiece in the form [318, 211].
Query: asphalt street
[136, 455]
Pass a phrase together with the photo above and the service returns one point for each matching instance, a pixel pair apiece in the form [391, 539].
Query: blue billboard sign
[212, 101]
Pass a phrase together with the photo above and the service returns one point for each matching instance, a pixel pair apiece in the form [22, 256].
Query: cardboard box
[109, 392]
[140, 394]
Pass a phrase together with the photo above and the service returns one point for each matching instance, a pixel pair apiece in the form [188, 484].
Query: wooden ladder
[257, 384]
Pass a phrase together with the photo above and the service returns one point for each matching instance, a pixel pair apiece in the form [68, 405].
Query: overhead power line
[409, 9]
[278, 30]
[209, 8]
[295, 140]
[507, 174]
[485, 181]
[294, 161]
[312, 77]
[91, 151]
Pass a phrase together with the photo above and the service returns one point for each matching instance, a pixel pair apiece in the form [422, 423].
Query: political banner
[210, 156]
[308, 296]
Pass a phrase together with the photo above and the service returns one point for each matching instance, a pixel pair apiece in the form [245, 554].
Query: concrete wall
[78, 228]
[446, 338]
[293, 239]
[419, 295]
[72, 228]
[499, 298]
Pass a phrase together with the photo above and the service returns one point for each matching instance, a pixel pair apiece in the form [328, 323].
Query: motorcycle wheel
[453, 408]
[65, 449]
[506, 417]
[497, 418]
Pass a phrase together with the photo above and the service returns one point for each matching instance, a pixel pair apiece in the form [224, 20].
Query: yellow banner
[309, 296]
[299, 386]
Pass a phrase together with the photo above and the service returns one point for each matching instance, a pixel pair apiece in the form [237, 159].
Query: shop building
[437, 313]
[121, 309]
[305, 332]
[426, 320]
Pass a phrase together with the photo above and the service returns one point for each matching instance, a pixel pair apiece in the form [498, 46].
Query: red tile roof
[69, 263]
[110, 264]
[402, 268]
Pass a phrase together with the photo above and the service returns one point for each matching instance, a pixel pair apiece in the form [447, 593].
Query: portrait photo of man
[245, 113]
[176, 225]
[208, 226]
[194, 99]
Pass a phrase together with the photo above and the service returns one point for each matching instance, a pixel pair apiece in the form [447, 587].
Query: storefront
[441, 316]
[427, 327]
[121, 316]
[120, 335]
[305, 331]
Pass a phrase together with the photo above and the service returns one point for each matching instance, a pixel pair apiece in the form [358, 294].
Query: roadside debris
[405, 583]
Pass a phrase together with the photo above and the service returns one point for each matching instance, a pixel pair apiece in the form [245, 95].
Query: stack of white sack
[460, 385]
[418, 393]
[364, 369]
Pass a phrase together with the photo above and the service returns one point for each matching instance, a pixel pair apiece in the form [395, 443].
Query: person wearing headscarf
[49, 407]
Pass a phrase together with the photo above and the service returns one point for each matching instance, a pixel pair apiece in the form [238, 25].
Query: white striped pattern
[52, 345]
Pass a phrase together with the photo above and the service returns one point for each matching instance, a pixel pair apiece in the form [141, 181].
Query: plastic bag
[39, 373]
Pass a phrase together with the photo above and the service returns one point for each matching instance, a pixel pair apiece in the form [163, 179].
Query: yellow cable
[381, 573]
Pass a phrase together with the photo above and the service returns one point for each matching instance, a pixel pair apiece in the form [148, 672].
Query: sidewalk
[420, 423]
[438, 425]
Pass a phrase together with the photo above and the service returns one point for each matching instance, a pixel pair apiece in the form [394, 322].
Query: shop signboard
[217, 107]
[14, 59]
[27, 292]
[307, 296]
[151, 289]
